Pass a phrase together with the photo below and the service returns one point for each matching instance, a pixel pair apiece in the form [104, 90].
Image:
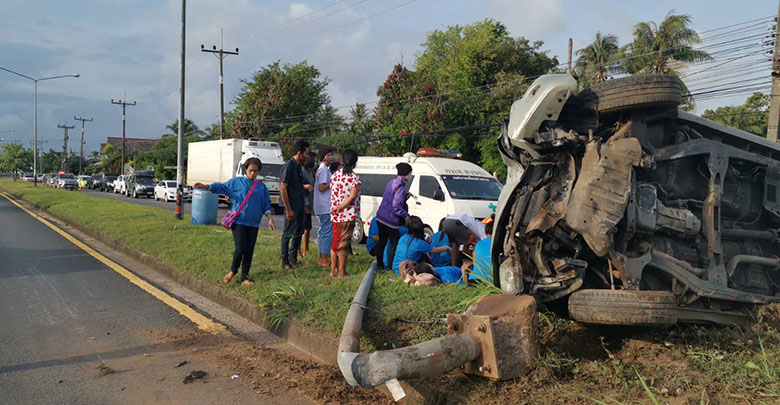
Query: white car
[120, 184]
[166, 190]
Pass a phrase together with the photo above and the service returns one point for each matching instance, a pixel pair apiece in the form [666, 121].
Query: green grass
[310, 294]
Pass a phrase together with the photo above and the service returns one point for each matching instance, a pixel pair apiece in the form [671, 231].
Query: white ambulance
[440, 185]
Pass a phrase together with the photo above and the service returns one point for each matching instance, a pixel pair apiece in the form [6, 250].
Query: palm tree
[595, 59]
[359, 115]
[663, 48]
[189, 129]
[328, 120]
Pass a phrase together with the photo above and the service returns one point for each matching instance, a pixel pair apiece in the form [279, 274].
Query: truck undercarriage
[633, 211]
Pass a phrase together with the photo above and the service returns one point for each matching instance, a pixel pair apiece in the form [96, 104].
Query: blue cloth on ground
[448, 274]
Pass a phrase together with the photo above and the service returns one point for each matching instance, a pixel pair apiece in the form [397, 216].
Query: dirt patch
[273, 372]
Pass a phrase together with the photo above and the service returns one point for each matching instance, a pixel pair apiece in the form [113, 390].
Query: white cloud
[529, 18]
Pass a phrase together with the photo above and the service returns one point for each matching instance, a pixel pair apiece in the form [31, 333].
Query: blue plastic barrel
[204, 207]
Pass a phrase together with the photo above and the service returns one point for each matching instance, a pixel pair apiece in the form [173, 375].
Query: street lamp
[35, 132]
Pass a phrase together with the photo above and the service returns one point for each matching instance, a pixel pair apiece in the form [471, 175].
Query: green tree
[359, 118]
[464, 76]
[328, 121]
[663, 48]
[164, 154]
[277, 99]
[596, 59]
[751, 116]
[111, 162]
[15, 158]
[189, 129]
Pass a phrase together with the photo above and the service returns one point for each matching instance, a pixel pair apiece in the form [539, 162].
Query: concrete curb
[322, 347]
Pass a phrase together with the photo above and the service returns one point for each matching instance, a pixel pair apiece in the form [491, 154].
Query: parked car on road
[27, 176]
[67, 181]
[52, 180]
[166, 190]
[107, 181]
[140, 185]
[120, 184]
[95, 184]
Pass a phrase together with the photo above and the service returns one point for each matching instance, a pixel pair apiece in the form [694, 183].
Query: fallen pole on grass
[495, 338]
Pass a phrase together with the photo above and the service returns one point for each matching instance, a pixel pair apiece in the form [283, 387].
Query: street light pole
[35, 124]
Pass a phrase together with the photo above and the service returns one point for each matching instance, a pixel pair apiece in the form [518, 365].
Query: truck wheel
[278, 209]
[358, 234]
[653, 91]
[624, 307]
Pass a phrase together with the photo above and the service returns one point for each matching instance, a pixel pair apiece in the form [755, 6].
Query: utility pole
[568, 66]
[65, 145]
[774, 97]
[124, 104]
[180, 143]
[81, 159]
[220, 54]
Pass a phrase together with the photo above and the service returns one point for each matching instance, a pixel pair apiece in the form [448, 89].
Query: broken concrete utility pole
[495, 338]
[773, 126]
[64, 146]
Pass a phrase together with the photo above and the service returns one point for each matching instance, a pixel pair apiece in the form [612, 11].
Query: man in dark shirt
[291, 192]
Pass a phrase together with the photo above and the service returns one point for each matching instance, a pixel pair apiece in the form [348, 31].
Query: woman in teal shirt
[413, 246]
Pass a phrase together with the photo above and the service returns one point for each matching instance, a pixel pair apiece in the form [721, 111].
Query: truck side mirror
[438, 195]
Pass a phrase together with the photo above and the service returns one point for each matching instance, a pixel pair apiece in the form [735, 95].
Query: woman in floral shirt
[344, 209]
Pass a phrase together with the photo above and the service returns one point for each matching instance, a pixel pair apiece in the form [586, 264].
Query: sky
[134, 46]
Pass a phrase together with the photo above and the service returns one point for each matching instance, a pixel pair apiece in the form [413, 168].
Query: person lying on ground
[248, 221]
[413, 246]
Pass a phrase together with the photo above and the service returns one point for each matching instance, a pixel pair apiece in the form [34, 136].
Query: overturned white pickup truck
[633, 211]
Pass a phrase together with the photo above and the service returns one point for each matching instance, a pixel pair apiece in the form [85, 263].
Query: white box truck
[220, 160]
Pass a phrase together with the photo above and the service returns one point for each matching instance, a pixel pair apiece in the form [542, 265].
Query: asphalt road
[63, 313]
[278, 219]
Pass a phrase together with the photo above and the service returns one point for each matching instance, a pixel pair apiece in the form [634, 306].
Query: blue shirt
[409, 248]
[444, 258]
[483, 267]
[322, 198]
[258, 205]
[449, 274]
[373, 230]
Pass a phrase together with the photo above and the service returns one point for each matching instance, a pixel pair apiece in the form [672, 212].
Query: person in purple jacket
[392, 213]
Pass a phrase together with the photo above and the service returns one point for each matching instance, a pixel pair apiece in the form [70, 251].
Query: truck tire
[654, 91]
[624, 307]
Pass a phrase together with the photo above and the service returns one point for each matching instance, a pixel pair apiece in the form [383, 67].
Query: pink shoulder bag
[232, 215]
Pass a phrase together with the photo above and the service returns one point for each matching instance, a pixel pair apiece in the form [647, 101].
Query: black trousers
[291, 236]
[244, 238]
[386, 234]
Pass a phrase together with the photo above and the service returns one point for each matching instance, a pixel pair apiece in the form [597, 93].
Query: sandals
[228, 277]
[246, 282]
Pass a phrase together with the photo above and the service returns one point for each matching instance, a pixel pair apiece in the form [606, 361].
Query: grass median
[398, 314]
